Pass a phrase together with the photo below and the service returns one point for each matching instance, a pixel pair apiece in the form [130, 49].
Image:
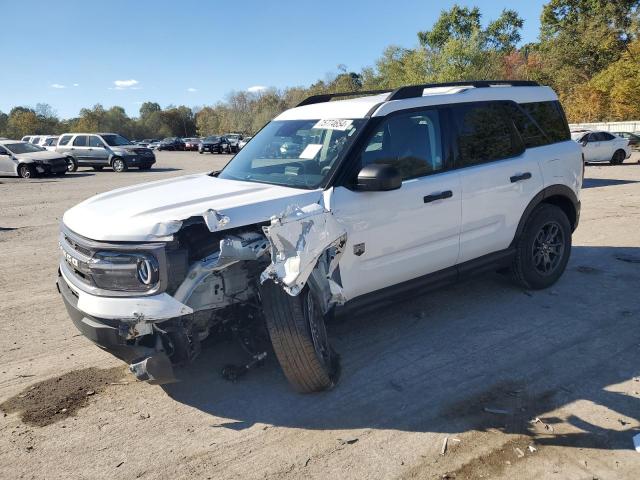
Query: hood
[43, 156]
[155, 211]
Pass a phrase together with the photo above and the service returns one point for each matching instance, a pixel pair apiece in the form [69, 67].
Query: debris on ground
[532, 449]
[636, 442]
[519, 452]
[443, 450]
[628, 258]
[348, 440]
[546, 425]
[497, 411]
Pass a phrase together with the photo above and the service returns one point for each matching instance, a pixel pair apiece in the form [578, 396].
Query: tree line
[588, 51]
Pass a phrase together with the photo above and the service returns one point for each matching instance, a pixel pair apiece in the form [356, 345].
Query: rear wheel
[543, 249]
[618, 157]
[299, 337]
[26, 171]
[118, 165]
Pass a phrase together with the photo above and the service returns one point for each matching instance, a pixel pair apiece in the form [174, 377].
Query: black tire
[543, 249]
[618, 157]
[26, 171]
[72, 164]
[301, 345]
[97, 169]
[200, 152]
[119, 165]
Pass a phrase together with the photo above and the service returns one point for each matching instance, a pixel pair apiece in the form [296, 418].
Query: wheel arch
[559, 195]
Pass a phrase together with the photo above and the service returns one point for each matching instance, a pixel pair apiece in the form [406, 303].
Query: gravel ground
[520, 384]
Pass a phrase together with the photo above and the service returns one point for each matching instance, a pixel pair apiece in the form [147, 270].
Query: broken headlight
[129, 272]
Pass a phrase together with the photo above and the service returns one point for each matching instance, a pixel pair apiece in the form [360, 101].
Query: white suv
[383, 195]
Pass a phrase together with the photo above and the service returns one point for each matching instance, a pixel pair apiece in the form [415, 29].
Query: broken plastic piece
[156, 369]
[299, 237]
[215, 220]
[636, 442]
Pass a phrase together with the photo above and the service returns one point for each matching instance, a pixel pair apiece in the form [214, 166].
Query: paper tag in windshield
[333, 124]
[311, 151]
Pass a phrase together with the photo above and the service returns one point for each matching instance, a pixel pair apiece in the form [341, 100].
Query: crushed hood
[155, 211]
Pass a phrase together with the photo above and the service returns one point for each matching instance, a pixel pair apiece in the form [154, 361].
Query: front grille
[79, 248]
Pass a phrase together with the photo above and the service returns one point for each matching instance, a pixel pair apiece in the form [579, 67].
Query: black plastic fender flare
[558, 190]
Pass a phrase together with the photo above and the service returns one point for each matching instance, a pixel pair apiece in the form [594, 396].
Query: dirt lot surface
[521, 385]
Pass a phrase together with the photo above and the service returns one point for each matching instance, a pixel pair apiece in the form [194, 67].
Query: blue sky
[71, 53]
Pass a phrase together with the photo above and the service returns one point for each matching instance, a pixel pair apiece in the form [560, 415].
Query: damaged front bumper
[148, 362]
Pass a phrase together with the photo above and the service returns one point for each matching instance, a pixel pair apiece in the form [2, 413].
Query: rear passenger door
[97, 151]
[80, 149]
[499, 177]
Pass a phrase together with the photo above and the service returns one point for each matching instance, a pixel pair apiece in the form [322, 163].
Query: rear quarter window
[550, 118]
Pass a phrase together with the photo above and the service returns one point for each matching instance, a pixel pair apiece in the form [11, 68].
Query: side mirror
[584, 143]
[378, 178]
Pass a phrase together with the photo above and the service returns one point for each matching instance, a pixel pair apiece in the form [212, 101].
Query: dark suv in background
[171, 143]
[215, 144]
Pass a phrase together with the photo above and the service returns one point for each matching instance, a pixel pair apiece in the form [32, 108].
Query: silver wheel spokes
[548, 248]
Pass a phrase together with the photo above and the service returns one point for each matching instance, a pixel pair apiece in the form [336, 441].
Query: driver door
[398, 235]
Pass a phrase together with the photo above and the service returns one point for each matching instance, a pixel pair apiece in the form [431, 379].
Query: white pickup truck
[376, 196]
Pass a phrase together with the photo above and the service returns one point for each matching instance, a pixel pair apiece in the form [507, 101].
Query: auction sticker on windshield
[333, 124]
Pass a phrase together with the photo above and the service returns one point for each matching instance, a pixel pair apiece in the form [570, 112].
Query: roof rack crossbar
[413, 91]
[325, 97]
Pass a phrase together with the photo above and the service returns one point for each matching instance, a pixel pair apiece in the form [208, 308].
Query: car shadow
[605, 182]
[435, 362]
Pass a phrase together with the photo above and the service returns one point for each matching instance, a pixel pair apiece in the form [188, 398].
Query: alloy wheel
[548, 248]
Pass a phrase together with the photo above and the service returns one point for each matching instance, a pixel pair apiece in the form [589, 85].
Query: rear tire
[543, 248]
[26, 171]
[618, 157]
[298, 334]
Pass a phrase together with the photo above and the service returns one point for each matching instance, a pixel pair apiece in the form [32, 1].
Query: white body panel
[403, 237]
[154, 211]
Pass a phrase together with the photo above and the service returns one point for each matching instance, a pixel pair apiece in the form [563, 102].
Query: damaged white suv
[332, 205]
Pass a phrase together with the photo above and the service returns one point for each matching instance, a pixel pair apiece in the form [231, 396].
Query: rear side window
[64, 140]
[549, 116]
[80, 141]
[531, 134]
[485, 134]
[605, 136]
[410, 142]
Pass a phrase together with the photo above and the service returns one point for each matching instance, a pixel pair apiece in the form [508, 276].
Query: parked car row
[227, 143]
[602, 146]
[47, 154]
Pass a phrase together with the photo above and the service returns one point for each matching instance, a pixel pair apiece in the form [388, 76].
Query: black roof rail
[325, 97]
[413, 91]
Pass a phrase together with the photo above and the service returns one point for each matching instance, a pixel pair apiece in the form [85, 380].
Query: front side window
[485, 134]
[80, 141]
[95, 141]
[411, 142]
[293, 153]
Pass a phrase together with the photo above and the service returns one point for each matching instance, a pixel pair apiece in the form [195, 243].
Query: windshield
[293, 153]
[19, 148]
[211, 139]
[115, 140]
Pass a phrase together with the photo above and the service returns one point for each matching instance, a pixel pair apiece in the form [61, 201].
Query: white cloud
[191, 89]
[257, 89]
[76, 84]
[122, 84]
[57, 85]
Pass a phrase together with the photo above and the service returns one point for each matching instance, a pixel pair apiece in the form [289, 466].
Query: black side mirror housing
[378, 178]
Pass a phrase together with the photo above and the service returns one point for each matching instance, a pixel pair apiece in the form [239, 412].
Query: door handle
[520, 177]
[438, 196]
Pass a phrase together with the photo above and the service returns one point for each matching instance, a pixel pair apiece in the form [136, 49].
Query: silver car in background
[26, 160]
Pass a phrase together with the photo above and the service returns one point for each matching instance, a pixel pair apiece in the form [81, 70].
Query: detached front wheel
[299, 337]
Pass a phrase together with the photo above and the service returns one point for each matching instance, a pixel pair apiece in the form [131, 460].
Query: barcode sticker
[333, 124]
